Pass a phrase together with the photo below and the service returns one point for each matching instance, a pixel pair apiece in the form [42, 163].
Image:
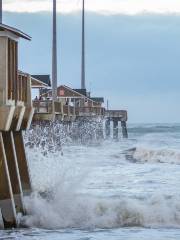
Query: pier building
[69, 105]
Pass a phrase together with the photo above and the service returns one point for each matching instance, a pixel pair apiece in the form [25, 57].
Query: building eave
[15, 31]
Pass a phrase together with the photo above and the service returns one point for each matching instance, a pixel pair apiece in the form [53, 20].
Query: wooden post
[13, 170]
[124, 129]
[107, 128]
[115, 128]
[22, 162]
[7, 204]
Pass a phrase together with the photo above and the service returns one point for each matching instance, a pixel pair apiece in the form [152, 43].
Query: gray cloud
[103, 6]
[132, 60]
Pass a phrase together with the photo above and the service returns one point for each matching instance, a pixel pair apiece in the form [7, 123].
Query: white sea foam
[65, 205]
[117, 193]
[68, 210]
[162, 155]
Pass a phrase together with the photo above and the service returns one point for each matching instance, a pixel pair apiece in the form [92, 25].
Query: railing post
[38, 105]
[47, 106]
[62, 110]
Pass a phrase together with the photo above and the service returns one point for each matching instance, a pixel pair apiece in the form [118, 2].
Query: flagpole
[54, 60]
[54, 53]
[83, 85]
[0, 11]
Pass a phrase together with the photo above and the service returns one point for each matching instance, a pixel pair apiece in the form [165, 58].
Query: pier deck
[116, 116]
[120, 115]
[44, 110]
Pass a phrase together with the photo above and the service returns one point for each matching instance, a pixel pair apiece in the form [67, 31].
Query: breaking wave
[67, 210]
[145, 154]
[59, 202]
[63, 199]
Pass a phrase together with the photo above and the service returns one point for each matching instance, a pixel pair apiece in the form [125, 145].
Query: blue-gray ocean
[126, 189]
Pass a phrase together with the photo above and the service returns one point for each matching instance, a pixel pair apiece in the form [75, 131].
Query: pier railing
[121, 114]
[22, 88]
[90, 111]
[18, 87]
[45, 106]
[57, 107]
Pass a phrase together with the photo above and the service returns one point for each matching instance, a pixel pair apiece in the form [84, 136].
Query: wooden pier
[116, 116]
[70, 105]
[16, 113]
[76, 104]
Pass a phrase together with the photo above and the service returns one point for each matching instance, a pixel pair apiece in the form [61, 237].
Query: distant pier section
[74, 104]
[116, 116]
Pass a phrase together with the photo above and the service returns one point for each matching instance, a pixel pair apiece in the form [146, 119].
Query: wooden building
[70, 105]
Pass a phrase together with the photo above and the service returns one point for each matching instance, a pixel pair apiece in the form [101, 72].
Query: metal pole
[83, 85]
[54, 54]
[0, 11]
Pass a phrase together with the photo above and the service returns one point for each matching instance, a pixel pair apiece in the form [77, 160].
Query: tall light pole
[0, 11]
[54, 53]
[83, 76]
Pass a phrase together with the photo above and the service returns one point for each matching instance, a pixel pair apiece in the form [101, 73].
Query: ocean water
[126, 189]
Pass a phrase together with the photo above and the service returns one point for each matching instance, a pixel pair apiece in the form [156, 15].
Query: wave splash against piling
[61, 198]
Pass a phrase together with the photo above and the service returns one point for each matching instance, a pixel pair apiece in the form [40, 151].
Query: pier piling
[13, 170]
[115, 129]
[107, 128]
[124, 129]
[7, 203]
[116, 116]
[22, 163]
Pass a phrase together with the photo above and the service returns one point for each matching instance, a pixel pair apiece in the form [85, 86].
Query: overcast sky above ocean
[103, 6]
